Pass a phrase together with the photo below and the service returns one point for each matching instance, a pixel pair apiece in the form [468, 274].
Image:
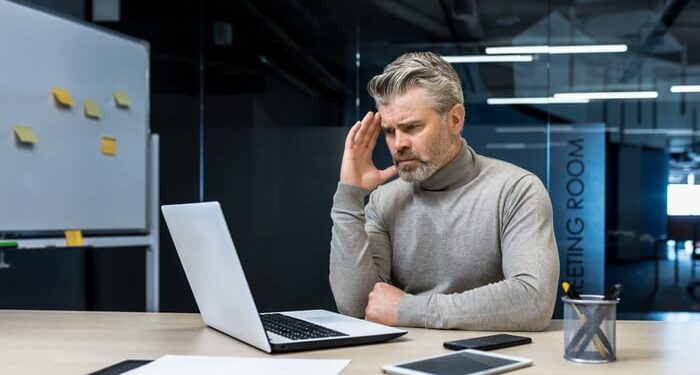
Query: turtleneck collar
[457, 172]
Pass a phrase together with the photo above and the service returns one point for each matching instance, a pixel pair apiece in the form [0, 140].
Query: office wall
[259, 122]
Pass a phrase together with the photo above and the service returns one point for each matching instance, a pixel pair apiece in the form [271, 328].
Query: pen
[613, 292]
[573, 294]
[610, 295]
[570, 291]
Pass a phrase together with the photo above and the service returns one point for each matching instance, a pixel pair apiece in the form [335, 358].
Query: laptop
[220, 288]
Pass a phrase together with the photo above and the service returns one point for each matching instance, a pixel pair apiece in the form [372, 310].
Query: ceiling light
[533, 100]
[592, 48]
[685, 88]
[516, 49]
[467, 59]
[607, 95]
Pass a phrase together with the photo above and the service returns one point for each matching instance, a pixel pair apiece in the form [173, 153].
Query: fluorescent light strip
[556, 129]
[607, 95]
[467, 59]
[522, 146]
[541, 49]
[667, 131]
[685, 88]
[533, 100]
[600, 48]
[516, 49]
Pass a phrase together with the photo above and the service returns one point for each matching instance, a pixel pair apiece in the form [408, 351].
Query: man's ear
[455, 119]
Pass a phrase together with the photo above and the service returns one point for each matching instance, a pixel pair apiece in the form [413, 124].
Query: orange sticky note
[25, 134]
[92, 109]
[109, 146]
[62, 96]
[74, 238]
[122, 99]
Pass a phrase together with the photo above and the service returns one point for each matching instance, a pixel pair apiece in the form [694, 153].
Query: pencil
[573, 295]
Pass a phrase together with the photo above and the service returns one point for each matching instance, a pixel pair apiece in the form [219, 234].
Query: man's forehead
[409, 98]
[407, 121]
[394, 116]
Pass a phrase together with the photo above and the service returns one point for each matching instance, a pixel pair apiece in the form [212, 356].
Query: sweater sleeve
[360, 250]
[524, 300]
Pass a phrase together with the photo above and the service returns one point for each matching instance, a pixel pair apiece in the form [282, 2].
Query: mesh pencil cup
[589, 329]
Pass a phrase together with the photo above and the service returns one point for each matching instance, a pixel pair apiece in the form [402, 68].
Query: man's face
[420, 141]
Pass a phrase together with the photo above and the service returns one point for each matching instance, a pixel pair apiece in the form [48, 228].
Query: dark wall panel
[276, 186]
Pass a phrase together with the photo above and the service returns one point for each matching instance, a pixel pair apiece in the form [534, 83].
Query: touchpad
[321, 317]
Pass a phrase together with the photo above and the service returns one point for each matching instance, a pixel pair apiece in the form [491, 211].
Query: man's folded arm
[525, 299]
[360, 250]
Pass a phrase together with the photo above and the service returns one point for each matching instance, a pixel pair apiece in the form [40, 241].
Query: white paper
[190, 364]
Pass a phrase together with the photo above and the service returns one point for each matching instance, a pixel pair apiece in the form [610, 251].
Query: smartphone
[487, 342]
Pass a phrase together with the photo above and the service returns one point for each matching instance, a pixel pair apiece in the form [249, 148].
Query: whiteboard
[64, 181]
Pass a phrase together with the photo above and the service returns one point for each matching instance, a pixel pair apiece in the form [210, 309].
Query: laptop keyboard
[295, 329]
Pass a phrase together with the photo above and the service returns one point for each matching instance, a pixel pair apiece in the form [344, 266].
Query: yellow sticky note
[62, 96]
[92, 109]
[122, 99]
[109, 146]
[74, 238]
[25, 134]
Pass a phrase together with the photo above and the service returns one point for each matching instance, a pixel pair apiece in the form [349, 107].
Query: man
[460, 240]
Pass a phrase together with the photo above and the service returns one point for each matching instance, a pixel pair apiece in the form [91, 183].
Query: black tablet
[463, 362]
[121, 367]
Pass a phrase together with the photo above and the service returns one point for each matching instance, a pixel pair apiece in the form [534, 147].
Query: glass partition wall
[253, 99]
[597, 98]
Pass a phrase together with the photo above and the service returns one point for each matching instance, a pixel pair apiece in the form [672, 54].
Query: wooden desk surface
[57, 342]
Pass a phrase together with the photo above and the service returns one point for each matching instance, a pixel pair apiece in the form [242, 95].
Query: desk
[33, 342]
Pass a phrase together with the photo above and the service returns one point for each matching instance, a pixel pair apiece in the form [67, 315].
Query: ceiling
[314, 45]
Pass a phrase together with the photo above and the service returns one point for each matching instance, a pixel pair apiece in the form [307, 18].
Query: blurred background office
[252, 100]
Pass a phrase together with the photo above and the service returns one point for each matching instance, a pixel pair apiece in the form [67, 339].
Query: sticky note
[92, 109]
[62, 96]
[25, 134]
[74, 238]
[122, 99]
[109, 146]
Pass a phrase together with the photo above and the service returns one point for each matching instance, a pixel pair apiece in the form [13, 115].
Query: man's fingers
[387, 174]
[375, 134]
[365, 131]
[351, 135]
[359, 138]
[378, 119]
[372, 128]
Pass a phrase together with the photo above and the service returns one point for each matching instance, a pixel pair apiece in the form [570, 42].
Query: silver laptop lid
[207, 253]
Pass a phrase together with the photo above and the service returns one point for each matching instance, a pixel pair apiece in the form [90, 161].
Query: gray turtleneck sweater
[472, 246]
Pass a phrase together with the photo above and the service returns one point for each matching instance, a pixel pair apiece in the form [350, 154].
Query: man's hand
[357, 168]
[383, 304]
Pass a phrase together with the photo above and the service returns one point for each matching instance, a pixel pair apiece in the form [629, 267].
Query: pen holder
[589, 329]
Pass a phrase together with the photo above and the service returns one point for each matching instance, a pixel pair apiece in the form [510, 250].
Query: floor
[670, 301]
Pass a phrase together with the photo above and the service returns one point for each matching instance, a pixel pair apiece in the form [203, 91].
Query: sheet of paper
[184, 364]
[62, 96]
[122, 99]
[74, 238]
[109, 146]
[92, 109]
[25, 134]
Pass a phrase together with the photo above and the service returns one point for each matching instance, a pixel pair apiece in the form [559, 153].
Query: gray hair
[427, 70]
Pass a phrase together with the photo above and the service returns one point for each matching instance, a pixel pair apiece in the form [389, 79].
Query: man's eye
[389, 131]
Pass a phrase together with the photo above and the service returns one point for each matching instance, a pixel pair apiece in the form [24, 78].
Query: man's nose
[401, 141]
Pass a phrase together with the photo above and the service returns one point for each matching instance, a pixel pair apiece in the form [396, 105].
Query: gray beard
[426, 168]
[420, 173]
